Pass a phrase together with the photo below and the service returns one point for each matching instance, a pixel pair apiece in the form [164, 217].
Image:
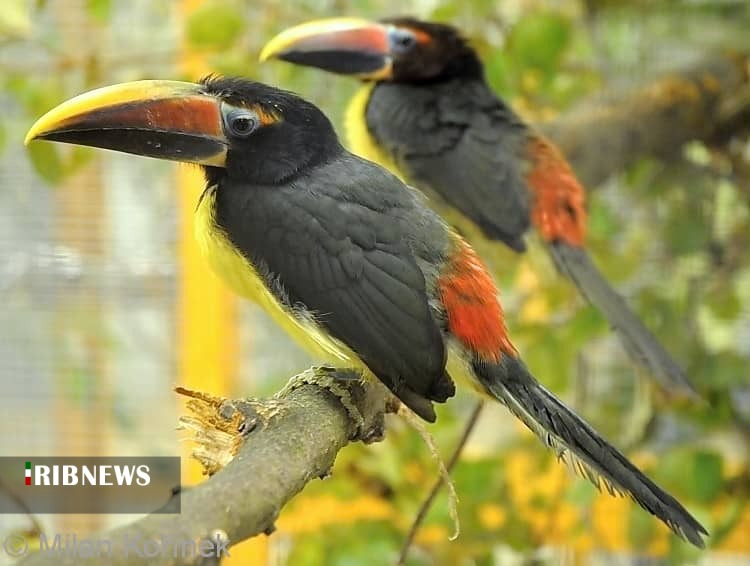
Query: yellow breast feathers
[358, 135]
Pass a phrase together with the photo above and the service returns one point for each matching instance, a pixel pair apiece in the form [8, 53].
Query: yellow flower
[492, 516]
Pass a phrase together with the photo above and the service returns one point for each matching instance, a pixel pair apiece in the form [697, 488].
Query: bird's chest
[360, 136]
[410, 131]
[411, 124]
[245, 279]
[225, 259]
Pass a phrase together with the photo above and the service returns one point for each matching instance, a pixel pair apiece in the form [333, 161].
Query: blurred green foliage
[674, 236]
[216, 25]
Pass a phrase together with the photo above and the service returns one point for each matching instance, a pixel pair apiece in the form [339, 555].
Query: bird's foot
[354, 392]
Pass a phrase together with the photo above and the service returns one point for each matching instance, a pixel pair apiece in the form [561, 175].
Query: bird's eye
[402, 40]
[240, 122]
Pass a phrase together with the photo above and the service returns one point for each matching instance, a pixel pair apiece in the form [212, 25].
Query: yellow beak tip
[268, 52]
[30, 136]
[42, 126]
[292, 36]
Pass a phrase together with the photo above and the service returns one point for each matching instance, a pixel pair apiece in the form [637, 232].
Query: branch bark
[708, 101]
[281, 444]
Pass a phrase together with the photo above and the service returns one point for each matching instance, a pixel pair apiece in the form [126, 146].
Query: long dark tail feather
[579, 445]
[641, 344]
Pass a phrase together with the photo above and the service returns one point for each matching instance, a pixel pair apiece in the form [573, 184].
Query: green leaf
[46, 161]
[698, 153]
[724, 303]
[697, 473]
[473, 480]
[672, 469]
[3, 138]
[539, 40]
[79, 158]
[729, 212]
[37, 95]
[640, 528]
[582, 493]
[215, 25]
[602, 222]
[707, 472]
[499, 73]
[99, 9]
[718, 372]
[233, 63]
[585, 325]
[642, 174]
[687, 228]
[80, 384]
[15, 19]
[445, 12]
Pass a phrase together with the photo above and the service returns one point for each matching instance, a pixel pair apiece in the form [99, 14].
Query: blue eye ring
[401, 40]
[240, 122]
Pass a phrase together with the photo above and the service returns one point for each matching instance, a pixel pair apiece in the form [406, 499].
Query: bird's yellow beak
[163, 119]
[347, 46]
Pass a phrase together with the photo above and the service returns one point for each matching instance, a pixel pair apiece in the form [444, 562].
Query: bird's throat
[361, 141]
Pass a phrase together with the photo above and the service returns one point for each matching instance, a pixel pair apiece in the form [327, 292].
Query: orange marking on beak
[199, 115]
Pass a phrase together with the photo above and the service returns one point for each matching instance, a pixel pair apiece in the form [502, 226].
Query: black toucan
[342, 254]
[427, 113]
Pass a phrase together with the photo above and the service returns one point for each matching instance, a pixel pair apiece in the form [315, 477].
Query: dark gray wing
[459, 142]
[333, 244]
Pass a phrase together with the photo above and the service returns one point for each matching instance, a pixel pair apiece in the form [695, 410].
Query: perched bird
[342, 254]
[427, 113]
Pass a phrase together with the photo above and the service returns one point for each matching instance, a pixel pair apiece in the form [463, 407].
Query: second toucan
[427, 113]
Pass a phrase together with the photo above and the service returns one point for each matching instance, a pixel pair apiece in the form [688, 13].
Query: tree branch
[708, 101]
[281, 444]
